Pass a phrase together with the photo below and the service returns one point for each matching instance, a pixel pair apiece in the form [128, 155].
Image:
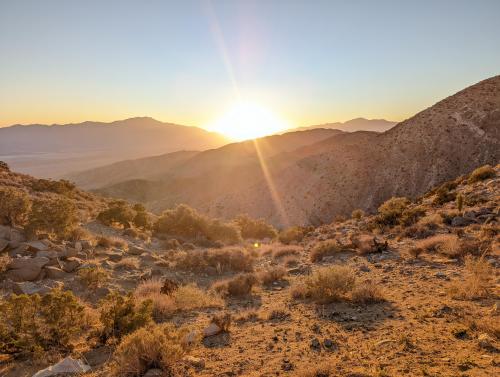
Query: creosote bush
[358, 214]
[272, 274]
[330, 284]
[482, 173]
[294, 234]
[142, 219]
[255, 229]
[120, 315]
[478, 274]
[118, 212]
[14, 206]
[30, 323]
[240, 285]
[155, 346]
[326, 248]
[93, 276]
[57, 216]
[62, 187]
[185, 222]
[390, 212]
[216, 260]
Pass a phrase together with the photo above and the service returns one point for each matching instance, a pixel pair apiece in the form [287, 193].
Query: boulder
[154, 373]
[18, 250]
[78, 246]
[211, 330]
[5, 232]
[459, 221]
[36, 246]
[22, 263]
[3, 244]
[195, 362]
[136, 250]
[98, 356]
[30, 288]
[53, 272]
[115, 257]
[51, 254]
[71, 264]
[69, 252]
[65, 366]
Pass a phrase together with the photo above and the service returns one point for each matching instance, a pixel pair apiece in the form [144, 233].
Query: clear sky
[187, 61]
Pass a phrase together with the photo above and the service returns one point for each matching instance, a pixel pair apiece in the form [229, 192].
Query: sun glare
[246, 120]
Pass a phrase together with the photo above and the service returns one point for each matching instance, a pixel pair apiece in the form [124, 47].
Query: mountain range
[311, 176]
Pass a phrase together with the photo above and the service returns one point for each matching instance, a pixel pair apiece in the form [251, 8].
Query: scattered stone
[136, 250]
[53, 272]
[115, 257]
[328, 343]
[195, 362]
[65, 366]
[315, 344]
[459, 221]
[154, 373]
[98, 356]
[71, 264]
[26, 269]
[211, 330]
[441, 275]
[485, 342]
[3, 244]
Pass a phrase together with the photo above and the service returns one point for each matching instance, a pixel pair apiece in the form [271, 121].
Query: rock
[98, 356]
[65, 366]
[86, 244]
[328, 343]
[441, 275]
[136, 250]
[69, 252]
[364, 268]
[315, 344]
[195, 362]
[5, 232]
[26, 269]
[29, 288]
[485, 342]
[21, 250]
[154, 373]
[3, 244]
[51, 254]
[115, 257]
[78, 246]
[36, 246]
[211, 330]
[459, 221]
[53, 272]
[71, 264]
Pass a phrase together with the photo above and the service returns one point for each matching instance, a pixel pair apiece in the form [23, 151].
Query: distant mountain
[310, 181]
[55, 150]
[357, 124]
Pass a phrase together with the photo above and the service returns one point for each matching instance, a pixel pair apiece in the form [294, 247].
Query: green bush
[482, 173]
[4, 166]
[62, 186]
[117, 212]
[142, 219]
[121, 315]
[93, 277]
[444, 195]
[357, 214]
[14, 206]
[255, 229]
[32, 323]
[56, 216]
[390, 212]
[184, 221]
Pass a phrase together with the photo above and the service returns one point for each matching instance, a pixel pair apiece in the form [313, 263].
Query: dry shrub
[223, 321]
[367, 293]
[330, 284]
[285, 251]
[240, 285]
[79, 234]
[326, 248]
[358, 214]
[489, 231]
[482, 173]
[254, 229]
[129, 263]
[57, 216]
[93, 277]
[14, 206]
[488, 324]
[278, 314]
[4, 262]
[294, 234]
[299, 291]
[478, 274]
[109, 242]
[450, 245]
[218, 260]
[290, 261]
[155, 346]
[247, 315]
[186, 297]
[271, 275]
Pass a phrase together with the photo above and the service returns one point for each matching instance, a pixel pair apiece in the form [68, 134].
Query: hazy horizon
[193, 63]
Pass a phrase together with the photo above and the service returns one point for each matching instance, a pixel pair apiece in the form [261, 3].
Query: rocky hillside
[52, 151]
[357, 124]
[409, 291]
[313, 183]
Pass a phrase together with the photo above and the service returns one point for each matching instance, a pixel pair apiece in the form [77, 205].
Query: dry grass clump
[357, 214]
[129, 263]
[449, 245]
[294, 234]
[326, 248]
[271, 275]
[216, 260]
[248, 315]
[109, 242]
[278, 314]
[482, 173]
[93, 277]
[240, 285]
[79, 234]
[184, 298]
[488, 324]
[155, 346]
[324, 369]
[4, 262]
[290, 261]
[282, 252]
[478, 274]
[367, 293]
[330, 284]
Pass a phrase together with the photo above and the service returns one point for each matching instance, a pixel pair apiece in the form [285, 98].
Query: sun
[245, 120]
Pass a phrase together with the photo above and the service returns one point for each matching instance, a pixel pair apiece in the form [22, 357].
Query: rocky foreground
[410, 291]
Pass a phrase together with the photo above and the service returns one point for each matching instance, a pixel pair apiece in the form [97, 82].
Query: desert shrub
[240, 285]
[185, 222]
[222, 320]
[478, 274]
[290, 261]
[443, 194]
[282, 252]
[368, 243]
[142, 219]
[367, 293]
[324, 369]
[108, 242]
[325, 248]
[118, 212]
[62, 187]
[330, 284]
[14, 206]
[390, 212]
[79, 234]
[54, 216]
[255, 229]
[185, 297]
[411, 215]
[217, 260]
[155, 346]
[460, 202]
[449, 245]
[358, 214]
[278, 314]
[294, 234]
[489, 231]
[30, 323]
[129, 263]
[272, 274]
[121, 315]
[93, 277]
[482, 173]
[4, 262]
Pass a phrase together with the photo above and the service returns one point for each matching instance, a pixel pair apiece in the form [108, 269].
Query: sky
[190, 61]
